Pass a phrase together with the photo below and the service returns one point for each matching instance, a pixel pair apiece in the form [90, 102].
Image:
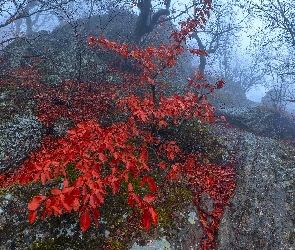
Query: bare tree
[27, 12]
[148, 18]
[221, 25]
[279, 17]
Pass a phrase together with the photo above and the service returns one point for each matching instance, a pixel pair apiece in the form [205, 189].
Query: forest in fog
[249, 43]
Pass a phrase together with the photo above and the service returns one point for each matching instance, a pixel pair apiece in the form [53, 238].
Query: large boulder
[261, 215]
[262, 120]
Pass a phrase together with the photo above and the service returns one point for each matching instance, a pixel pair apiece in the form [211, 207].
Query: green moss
[175, 198]
[72, 172]
[62, 242]
[116, 245]
[14, 99]
[291, 238]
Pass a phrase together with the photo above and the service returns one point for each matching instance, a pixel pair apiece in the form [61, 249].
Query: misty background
[250, 43]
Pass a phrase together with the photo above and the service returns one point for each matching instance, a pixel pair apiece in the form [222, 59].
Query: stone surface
[19, 137]
[261, 214]
[262, 120]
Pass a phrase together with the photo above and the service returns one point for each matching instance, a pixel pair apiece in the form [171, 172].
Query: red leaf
[85, 220]
[102, 157]
[96, 215]
[36, 202]
[43, 178]
[130, 200]
[67, 201]
[91, 40]
[132, 197]
[96, 200]
[32, 216]
[162, 165]
[149, 198]
[154, 215]
[146, 220]
[174, 172]
[130, 187]
[220, 84]
[209, 180]
[150, 181]
[162, 123]
[55, 191]
[223, 118]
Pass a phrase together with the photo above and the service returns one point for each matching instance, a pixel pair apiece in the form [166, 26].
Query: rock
[61, 126]
[115, 78]
[65, 53]
[262, 120]
[206, 204]
[19, 137]
[260, 213]
[52, 80]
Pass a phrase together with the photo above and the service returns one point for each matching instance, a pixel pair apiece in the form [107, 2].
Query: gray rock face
[262, 212]
[65, 53]
[19, 137]
[262, 120]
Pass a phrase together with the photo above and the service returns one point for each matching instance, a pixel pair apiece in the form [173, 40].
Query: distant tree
[279, 18]
[273, 41]
[222, 24]
[27, 12]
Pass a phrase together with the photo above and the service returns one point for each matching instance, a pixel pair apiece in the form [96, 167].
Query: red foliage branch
[218, 182]
[90, 147]
[77, 101]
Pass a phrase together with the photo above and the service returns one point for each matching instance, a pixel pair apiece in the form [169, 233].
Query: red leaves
[149, 215]
[133, 198]
[77, 101]
[216, 181]
[85, 220]
[219, 84]
[35, 202]
[149, 198]
[32, 216]
[162, 123]
[106, 156]
[151, 183]
[174, 171]
[110, 145]
[172, 149]
[223, 118]
[33, 205]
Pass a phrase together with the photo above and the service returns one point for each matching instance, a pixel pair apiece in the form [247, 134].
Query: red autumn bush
[108, 155]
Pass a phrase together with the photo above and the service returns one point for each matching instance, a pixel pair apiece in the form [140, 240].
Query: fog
[244, 43]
